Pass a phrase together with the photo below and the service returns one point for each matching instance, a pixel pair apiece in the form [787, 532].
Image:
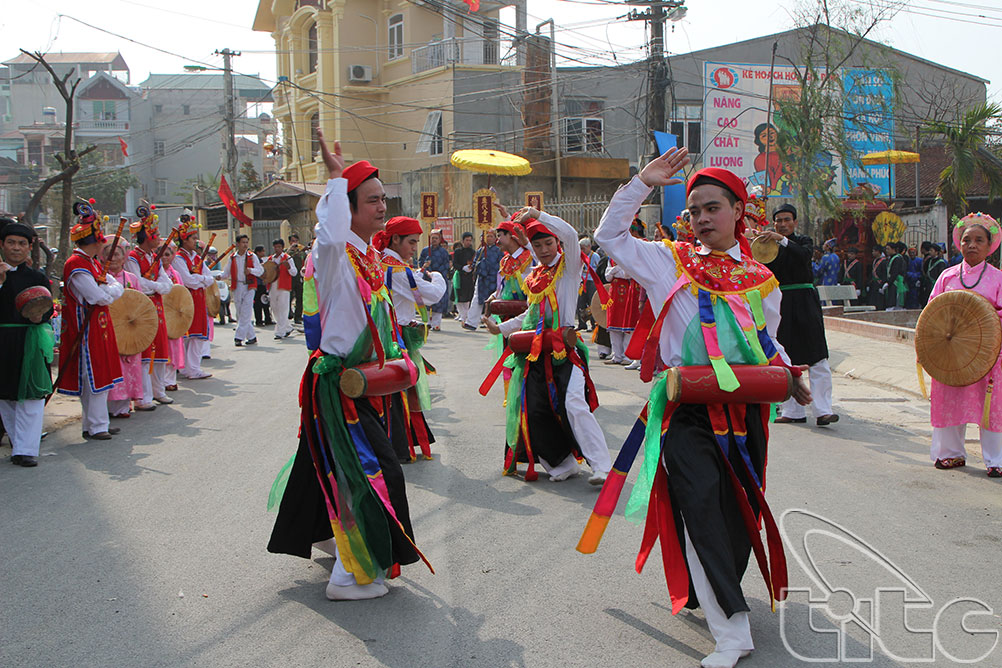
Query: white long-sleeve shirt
[653, 266]
[202, 279]
[569, 281]
[241, 262]
[86, 290]
[161, 285]
[404, 304]
[342, 314]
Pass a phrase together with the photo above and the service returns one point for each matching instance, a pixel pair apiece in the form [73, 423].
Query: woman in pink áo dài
[175, 347]
[977, 236]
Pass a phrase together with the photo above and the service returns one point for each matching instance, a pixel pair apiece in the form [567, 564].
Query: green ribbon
[36, 379]
[796, 286]
[899, 283]
[636, 507]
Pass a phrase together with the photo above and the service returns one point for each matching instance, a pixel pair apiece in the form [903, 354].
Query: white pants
[193, 357]
[119, 406]
[619, 342]
[339, 576]
[170, 374]
[463, 308]
[23, 422]
[473, 315]
[730, 633]
[949, 442]
[585, 427]
[243, 304]
[821, 392]
[603, 349]
[435, 320]
[280, 309]
[95, 409]
[154, 383]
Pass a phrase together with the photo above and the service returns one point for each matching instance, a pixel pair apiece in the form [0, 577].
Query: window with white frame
[687, 126]
[161, 188]
[583, 135]
[431, 141]
[104, 110]
[159, 149]
[311, 48]
[395, 37]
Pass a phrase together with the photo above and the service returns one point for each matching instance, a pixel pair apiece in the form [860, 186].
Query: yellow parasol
[890, 158]
[486, 161]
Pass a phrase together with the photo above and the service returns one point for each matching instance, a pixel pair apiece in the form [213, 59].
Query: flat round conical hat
[179, 311]
[212, 299]
[135, 320]
[958, 337]
[597, 312]
[270, 272]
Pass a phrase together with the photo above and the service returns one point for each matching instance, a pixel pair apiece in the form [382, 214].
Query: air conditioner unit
[359, 73]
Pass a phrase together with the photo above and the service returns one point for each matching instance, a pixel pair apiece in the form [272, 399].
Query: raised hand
[661, 171]
[334, 161]
[526, 213]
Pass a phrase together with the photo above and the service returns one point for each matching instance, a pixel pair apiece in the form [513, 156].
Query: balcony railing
[457, 51]
[106, 126]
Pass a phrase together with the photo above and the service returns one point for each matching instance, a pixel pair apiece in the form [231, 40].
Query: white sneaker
[356, 592]
[633, 366]
[597, 478]
[163, 400]
[567, 474]
[724, 659]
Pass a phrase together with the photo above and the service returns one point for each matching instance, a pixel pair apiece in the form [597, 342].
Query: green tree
[249, 180]
[108, 185]
[966, 141]
[810, 122]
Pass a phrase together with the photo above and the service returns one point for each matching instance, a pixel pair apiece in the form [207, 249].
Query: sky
[962, 34]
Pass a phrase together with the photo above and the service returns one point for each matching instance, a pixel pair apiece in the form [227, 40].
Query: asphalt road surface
[149, 550]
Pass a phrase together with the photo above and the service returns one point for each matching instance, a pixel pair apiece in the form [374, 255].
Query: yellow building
[381, 77]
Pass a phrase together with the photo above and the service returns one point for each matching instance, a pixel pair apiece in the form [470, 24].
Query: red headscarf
[400, 225]
[730, 181]
[358, 172]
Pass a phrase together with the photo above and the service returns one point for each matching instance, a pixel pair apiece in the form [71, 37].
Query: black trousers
[262, 312]
[550, 432]
[297, 299]
[703, 497]
[302, 516]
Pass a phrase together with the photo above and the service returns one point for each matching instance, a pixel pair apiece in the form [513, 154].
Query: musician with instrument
[551, 398]
[88, 351]
[956, 405]
[145, 261]
[346, 488]
[802, 327]
[412, 291]
[195, 276]
[280, 289]
[244, 270]
[175, 346]
[26, 340]
[262, 310]
[122, 396]
[718, 311]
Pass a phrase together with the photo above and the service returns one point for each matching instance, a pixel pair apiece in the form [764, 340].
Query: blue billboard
[869, 127]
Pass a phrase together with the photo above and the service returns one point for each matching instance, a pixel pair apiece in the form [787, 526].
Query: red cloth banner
[226, 195]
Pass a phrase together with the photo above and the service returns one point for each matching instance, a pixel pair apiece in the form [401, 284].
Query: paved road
[150, 549]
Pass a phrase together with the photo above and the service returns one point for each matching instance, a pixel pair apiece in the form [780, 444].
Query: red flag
[226, 195]
[474, 4]
[125, 147]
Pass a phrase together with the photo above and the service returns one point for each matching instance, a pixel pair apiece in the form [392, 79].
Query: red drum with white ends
[507, 308]
[368, 380]
[521, 342]
[759, 385]
[34, 302]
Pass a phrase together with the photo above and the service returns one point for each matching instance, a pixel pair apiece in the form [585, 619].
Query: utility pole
[658, 11]
[229, 138]
[554, 108]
